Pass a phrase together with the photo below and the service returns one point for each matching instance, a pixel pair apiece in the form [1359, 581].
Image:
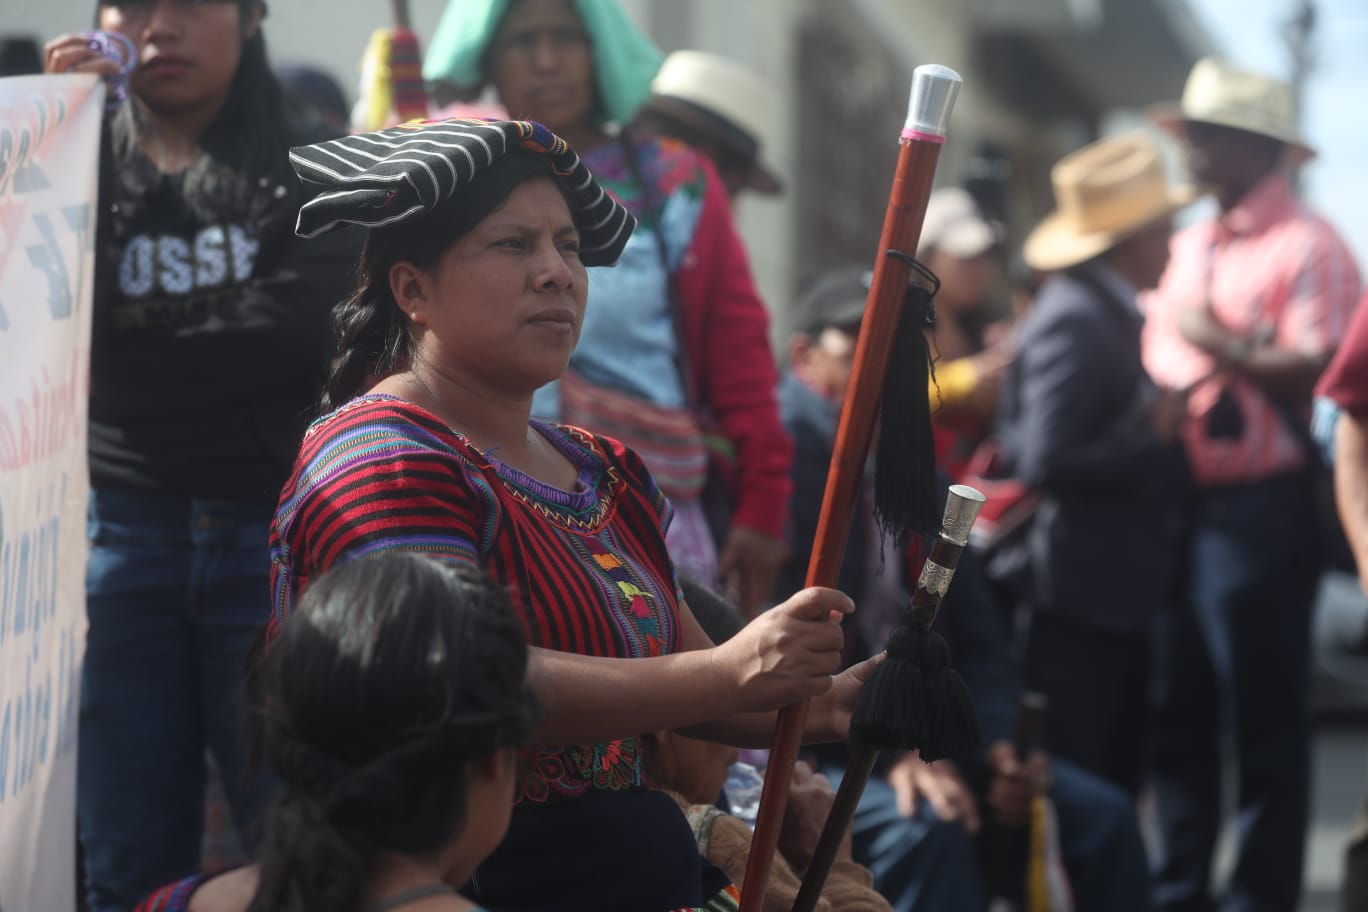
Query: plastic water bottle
[744, 784]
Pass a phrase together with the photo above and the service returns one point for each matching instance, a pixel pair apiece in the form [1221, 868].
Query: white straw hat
[954, 225]
[722, 100]
[1104, 193]
[1217, 93]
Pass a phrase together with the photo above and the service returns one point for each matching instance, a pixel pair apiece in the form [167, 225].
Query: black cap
[836, 298]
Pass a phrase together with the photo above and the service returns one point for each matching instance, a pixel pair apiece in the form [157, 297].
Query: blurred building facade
[1041, 77]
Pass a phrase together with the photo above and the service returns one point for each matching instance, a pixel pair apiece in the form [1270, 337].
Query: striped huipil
[588, 572]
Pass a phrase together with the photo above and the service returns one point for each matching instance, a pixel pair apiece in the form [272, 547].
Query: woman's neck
[392, 873]
[489, 420]
[171, 140]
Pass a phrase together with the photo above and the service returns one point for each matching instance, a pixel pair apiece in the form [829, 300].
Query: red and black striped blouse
[587, 568]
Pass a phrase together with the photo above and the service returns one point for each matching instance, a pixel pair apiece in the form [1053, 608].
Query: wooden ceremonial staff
[934, 89]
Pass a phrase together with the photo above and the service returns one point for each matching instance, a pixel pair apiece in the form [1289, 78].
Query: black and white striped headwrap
[378, 179]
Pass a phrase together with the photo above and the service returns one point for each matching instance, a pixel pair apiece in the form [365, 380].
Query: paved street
[1341, 779]
[1339, 747]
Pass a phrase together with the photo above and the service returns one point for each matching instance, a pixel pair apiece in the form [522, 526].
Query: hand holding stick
[906, 504]
[922, 705]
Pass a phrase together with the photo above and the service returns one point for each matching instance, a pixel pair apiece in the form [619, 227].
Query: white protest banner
[49, 153]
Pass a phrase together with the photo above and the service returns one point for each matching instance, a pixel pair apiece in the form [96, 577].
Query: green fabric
[625, 60]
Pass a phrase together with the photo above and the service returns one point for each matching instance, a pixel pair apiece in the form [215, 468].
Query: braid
[372, 338]
[393, 675]
[308, 861]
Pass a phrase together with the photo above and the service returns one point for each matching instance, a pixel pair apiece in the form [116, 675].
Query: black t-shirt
[210, 340]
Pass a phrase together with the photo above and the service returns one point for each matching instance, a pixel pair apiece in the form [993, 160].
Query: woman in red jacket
[676, 336]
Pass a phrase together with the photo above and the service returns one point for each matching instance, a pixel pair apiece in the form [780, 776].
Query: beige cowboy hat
[1217, 93]
[723, 101]
[1104, 193]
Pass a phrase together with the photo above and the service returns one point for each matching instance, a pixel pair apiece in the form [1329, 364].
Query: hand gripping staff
[920, 703]
[886, 386]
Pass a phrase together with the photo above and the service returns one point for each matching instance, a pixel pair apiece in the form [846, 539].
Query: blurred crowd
[462, 371]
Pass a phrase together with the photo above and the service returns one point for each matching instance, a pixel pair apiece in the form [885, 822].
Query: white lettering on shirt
[178, 265]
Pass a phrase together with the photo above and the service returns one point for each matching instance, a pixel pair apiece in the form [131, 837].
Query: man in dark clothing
[917, 825]
[1081, 423]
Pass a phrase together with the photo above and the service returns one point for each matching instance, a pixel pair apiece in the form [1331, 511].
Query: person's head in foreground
[394, 702]
[473, 275]
[1237, 128]
[1113, 204]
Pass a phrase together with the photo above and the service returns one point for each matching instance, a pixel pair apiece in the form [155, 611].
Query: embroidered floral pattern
[613, 765]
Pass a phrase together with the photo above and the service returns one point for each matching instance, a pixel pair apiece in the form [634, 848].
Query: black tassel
[905, 495]
[915, 700]
[892, 706]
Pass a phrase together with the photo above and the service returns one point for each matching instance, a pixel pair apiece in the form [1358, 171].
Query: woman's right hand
[787, 654]
[73, 54]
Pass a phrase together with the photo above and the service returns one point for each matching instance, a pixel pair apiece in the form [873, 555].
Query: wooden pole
[933, 93]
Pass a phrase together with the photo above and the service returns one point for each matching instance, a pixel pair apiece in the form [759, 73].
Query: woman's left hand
[829, 715]
[749, 566]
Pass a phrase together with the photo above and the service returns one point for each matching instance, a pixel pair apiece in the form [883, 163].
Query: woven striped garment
[587, 569]
[378, 179]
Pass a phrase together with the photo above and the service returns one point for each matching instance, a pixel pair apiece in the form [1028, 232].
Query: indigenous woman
[675, 342]
[392, 702]
[471, 296]
[208, 345]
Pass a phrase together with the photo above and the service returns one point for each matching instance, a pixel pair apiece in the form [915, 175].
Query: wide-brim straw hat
[1217, 93]
[723, 101]
[1104, 193]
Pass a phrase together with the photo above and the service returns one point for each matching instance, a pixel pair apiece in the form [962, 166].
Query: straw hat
[1104, 193]
[1220, 94]
[722, 100]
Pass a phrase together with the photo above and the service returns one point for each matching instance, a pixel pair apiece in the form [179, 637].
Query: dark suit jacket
[1102, 547]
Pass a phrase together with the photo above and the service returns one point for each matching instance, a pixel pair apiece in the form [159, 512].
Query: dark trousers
[1097, 682]
[1234, 657]
[922, 864]
[176, 590]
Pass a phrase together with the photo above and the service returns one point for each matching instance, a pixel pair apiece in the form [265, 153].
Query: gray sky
[1336, 124]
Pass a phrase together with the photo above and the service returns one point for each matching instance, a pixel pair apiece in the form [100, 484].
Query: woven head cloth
[381, 178]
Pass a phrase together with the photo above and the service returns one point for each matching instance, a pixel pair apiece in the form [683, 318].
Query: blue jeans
[921, 864]
[1234, 657]
[177, 589]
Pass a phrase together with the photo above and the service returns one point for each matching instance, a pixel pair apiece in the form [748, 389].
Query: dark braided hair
[393, 673]
[373, 336]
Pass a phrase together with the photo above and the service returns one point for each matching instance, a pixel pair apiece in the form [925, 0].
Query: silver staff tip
[961, 510]
[934, 90]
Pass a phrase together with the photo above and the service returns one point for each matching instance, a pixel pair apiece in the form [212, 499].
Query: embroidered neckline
[597, 481]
